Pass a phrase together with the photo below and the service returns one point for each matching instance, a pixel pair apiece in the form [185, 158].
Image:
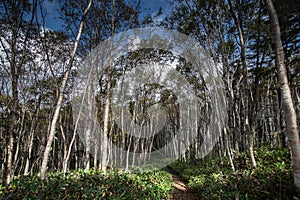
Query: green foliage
[272, 179]
[91, 185]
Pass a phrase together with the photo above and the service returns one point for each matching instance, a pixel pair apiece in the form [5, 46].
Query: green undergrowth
[272, 179]
[91, 185]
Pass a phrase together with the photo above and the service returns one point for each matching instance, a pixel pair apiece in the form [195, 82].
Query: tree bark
[247, 126]
[15, 18]
[32, 130]
[288, 107]
[104, 141]
[61, 95]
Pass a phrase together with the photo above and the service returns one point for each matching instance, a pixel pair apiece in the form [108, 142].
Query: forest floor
[182, 191]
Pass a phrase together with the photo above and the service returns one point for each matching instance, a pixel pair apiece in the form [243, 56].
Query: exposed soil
[182, 191]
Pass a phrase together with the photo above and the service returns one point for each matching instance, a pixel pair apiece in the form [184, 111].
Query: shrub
[272, 179]
[91, 185]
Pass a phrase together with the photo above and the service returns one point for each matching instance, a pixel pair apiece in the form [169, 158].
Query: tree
[61, 94]
[247, 126]
[15, 36]
[289, 110]
[105, 19]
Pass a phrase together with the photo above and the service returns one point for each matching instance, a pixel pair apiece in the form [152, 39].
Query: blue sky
[147, 7]
[52, 18]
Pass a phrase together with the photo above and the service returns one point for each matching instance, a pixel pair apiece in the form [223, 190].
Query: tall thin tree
[61, 94]
[247, 125]
[289, 110]
[104, 145]
[15, 49]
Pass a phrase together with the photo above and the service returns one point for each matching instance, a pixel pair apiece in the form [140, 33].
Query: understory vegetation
[211, 179]
[91, 185]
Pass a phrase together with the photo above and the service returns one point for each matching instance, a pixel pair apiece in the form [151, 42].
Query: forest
[150, 99]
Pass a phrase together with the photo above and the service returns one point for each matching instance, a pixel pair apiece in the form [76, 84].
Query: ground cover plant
[272, 179]
[91, 185]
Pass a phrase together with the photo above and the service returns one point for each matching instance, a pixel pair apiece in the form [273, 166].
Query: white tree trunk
[104, 141]
[289, 110]
[61, 95]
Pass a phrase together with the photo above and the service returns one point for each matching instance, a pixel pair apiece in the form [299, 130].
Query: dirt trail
[182, 191]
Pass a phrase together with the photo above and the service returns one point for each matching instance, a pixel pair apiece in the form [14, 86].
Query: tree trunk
[104, 141]
[247, 126]
[61, 95]
[288, 107]
[32, 130]
[13, 115]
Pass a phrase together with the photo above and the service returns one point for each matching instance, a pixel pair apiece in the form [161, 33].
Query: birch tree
[288, 107]
[16, 32]
[247, 126]
[61, 95]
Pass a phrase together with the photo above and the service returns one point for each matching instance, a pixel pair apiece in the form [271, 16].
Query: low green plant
[272, 179]
[91, 185]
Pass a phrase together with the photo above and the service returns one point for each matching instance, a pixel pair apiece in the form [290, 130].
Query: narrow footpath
[182, 191]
